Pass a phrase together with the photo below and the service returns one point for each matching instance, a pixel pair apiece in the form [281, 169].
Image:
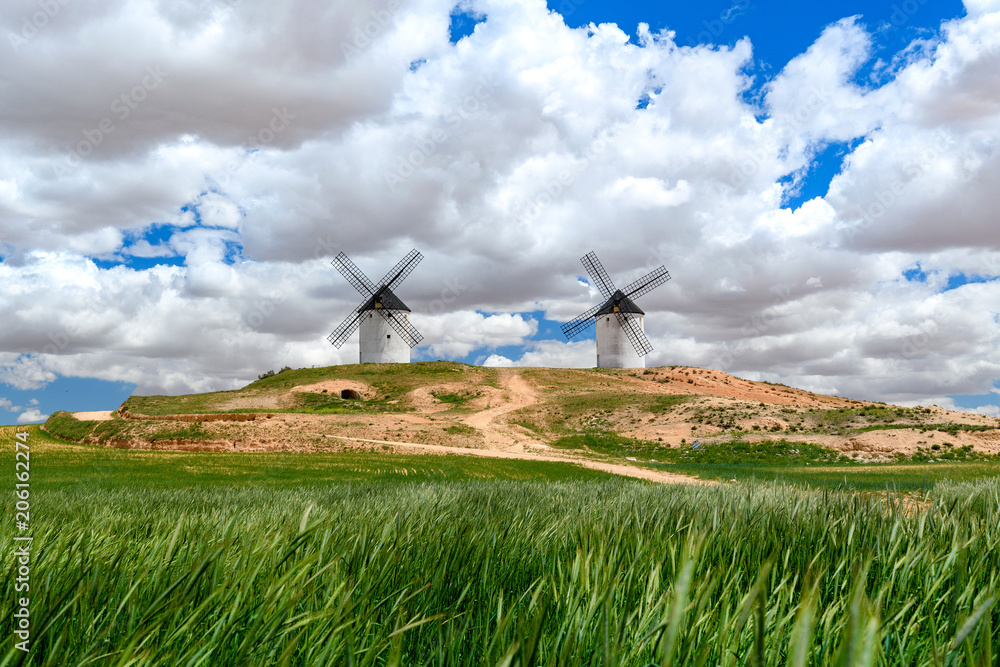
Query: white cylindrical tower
[380, 343]
[614, 349]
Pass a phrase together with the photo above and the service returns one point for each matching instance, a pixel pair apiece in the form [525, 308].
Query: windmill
[621, 341]
[386, 332]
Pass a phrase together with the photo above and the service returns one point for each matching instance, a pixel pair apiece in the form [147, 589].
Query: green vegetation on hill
[771, 452]
[308, 571]
[179, 405]
[457, 400]
[799, 463]
[61, 465]
[390, 381]
[117, 430]
[569, 412]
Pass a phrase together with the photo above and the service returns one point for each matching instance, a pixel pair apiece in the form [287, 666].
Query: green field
[153, 558]
[62, 465]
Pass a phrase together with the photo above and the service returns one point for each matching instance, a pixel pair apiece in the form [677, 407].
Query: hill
[623, 416]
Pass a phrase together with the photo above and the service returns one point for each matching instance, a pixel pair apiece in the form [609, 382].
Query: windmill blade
[402, 326]
[598, 275]
[580, 323]
[647, 283]
[346, 328]
[354, 275]
[401, 270]
[635, 334]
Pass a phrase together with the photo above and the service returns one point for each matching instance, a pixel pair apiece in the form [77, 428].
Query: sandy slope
[94, 416]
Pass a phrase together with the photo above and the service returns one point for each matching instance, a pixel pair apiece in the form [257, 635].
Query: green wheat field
[157, 558]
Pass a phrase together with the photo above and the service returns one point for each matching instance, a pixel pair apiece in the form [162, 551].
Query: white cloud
[510, 155]
[218, 211]
[648, 193]
[977, 7]
[552, 354]
[458, 334]
[949, 404]
[24, 372]
[498, 361]
[31, 416]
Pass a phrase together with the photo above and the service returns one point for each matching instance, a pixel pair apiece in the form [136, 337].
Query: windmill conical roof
[386, 299]
[621, 303]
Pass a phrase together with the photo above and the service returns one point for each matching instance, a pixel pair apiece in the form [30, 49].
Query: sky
[819, 179]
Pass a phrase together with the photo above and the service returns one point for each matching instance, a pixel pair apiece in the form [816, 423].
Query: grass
[902, 478]
[605, 442]
[390, 381]
[112, 431]
[609, 401]
[798, 463]
[328, 404]
[150, 559]
[771, 452]
[461, 429]
[566, 413]
[62, 465]
[456, 399]
[582, 573]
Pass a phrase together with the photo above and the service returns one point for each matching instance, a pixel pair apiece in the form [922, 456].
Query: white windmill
[621, 339]
[386, 332]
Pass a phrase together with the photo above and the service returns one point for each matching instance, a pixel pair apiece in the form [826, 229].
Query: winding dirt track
[491, 422]
[504, 441]
[613, 468]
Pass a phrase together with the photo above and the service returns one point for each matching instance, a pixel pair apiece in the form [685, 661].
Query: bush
[270, 374]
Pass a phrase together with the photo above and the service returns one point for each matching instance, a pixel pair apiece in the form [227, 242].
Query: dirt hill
[549, 413]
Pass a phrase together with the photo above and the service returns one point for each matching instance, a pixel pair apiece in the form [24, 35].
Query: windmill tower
[621, 339]
[386, 332]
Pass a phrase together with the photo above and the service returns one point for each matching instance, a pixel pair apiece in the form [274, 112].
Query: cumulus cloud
[31, 416]
[25, 372]
[458, 334]
[504, 158]
[549, 354]
[648, 193]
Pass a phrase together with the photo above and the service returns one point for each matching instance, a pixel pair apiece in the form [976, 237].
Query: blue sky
[199, 213]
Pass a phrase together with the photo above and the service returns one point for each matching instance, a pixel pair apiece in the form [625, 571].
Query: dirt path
[500, 435]
[613, 468]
